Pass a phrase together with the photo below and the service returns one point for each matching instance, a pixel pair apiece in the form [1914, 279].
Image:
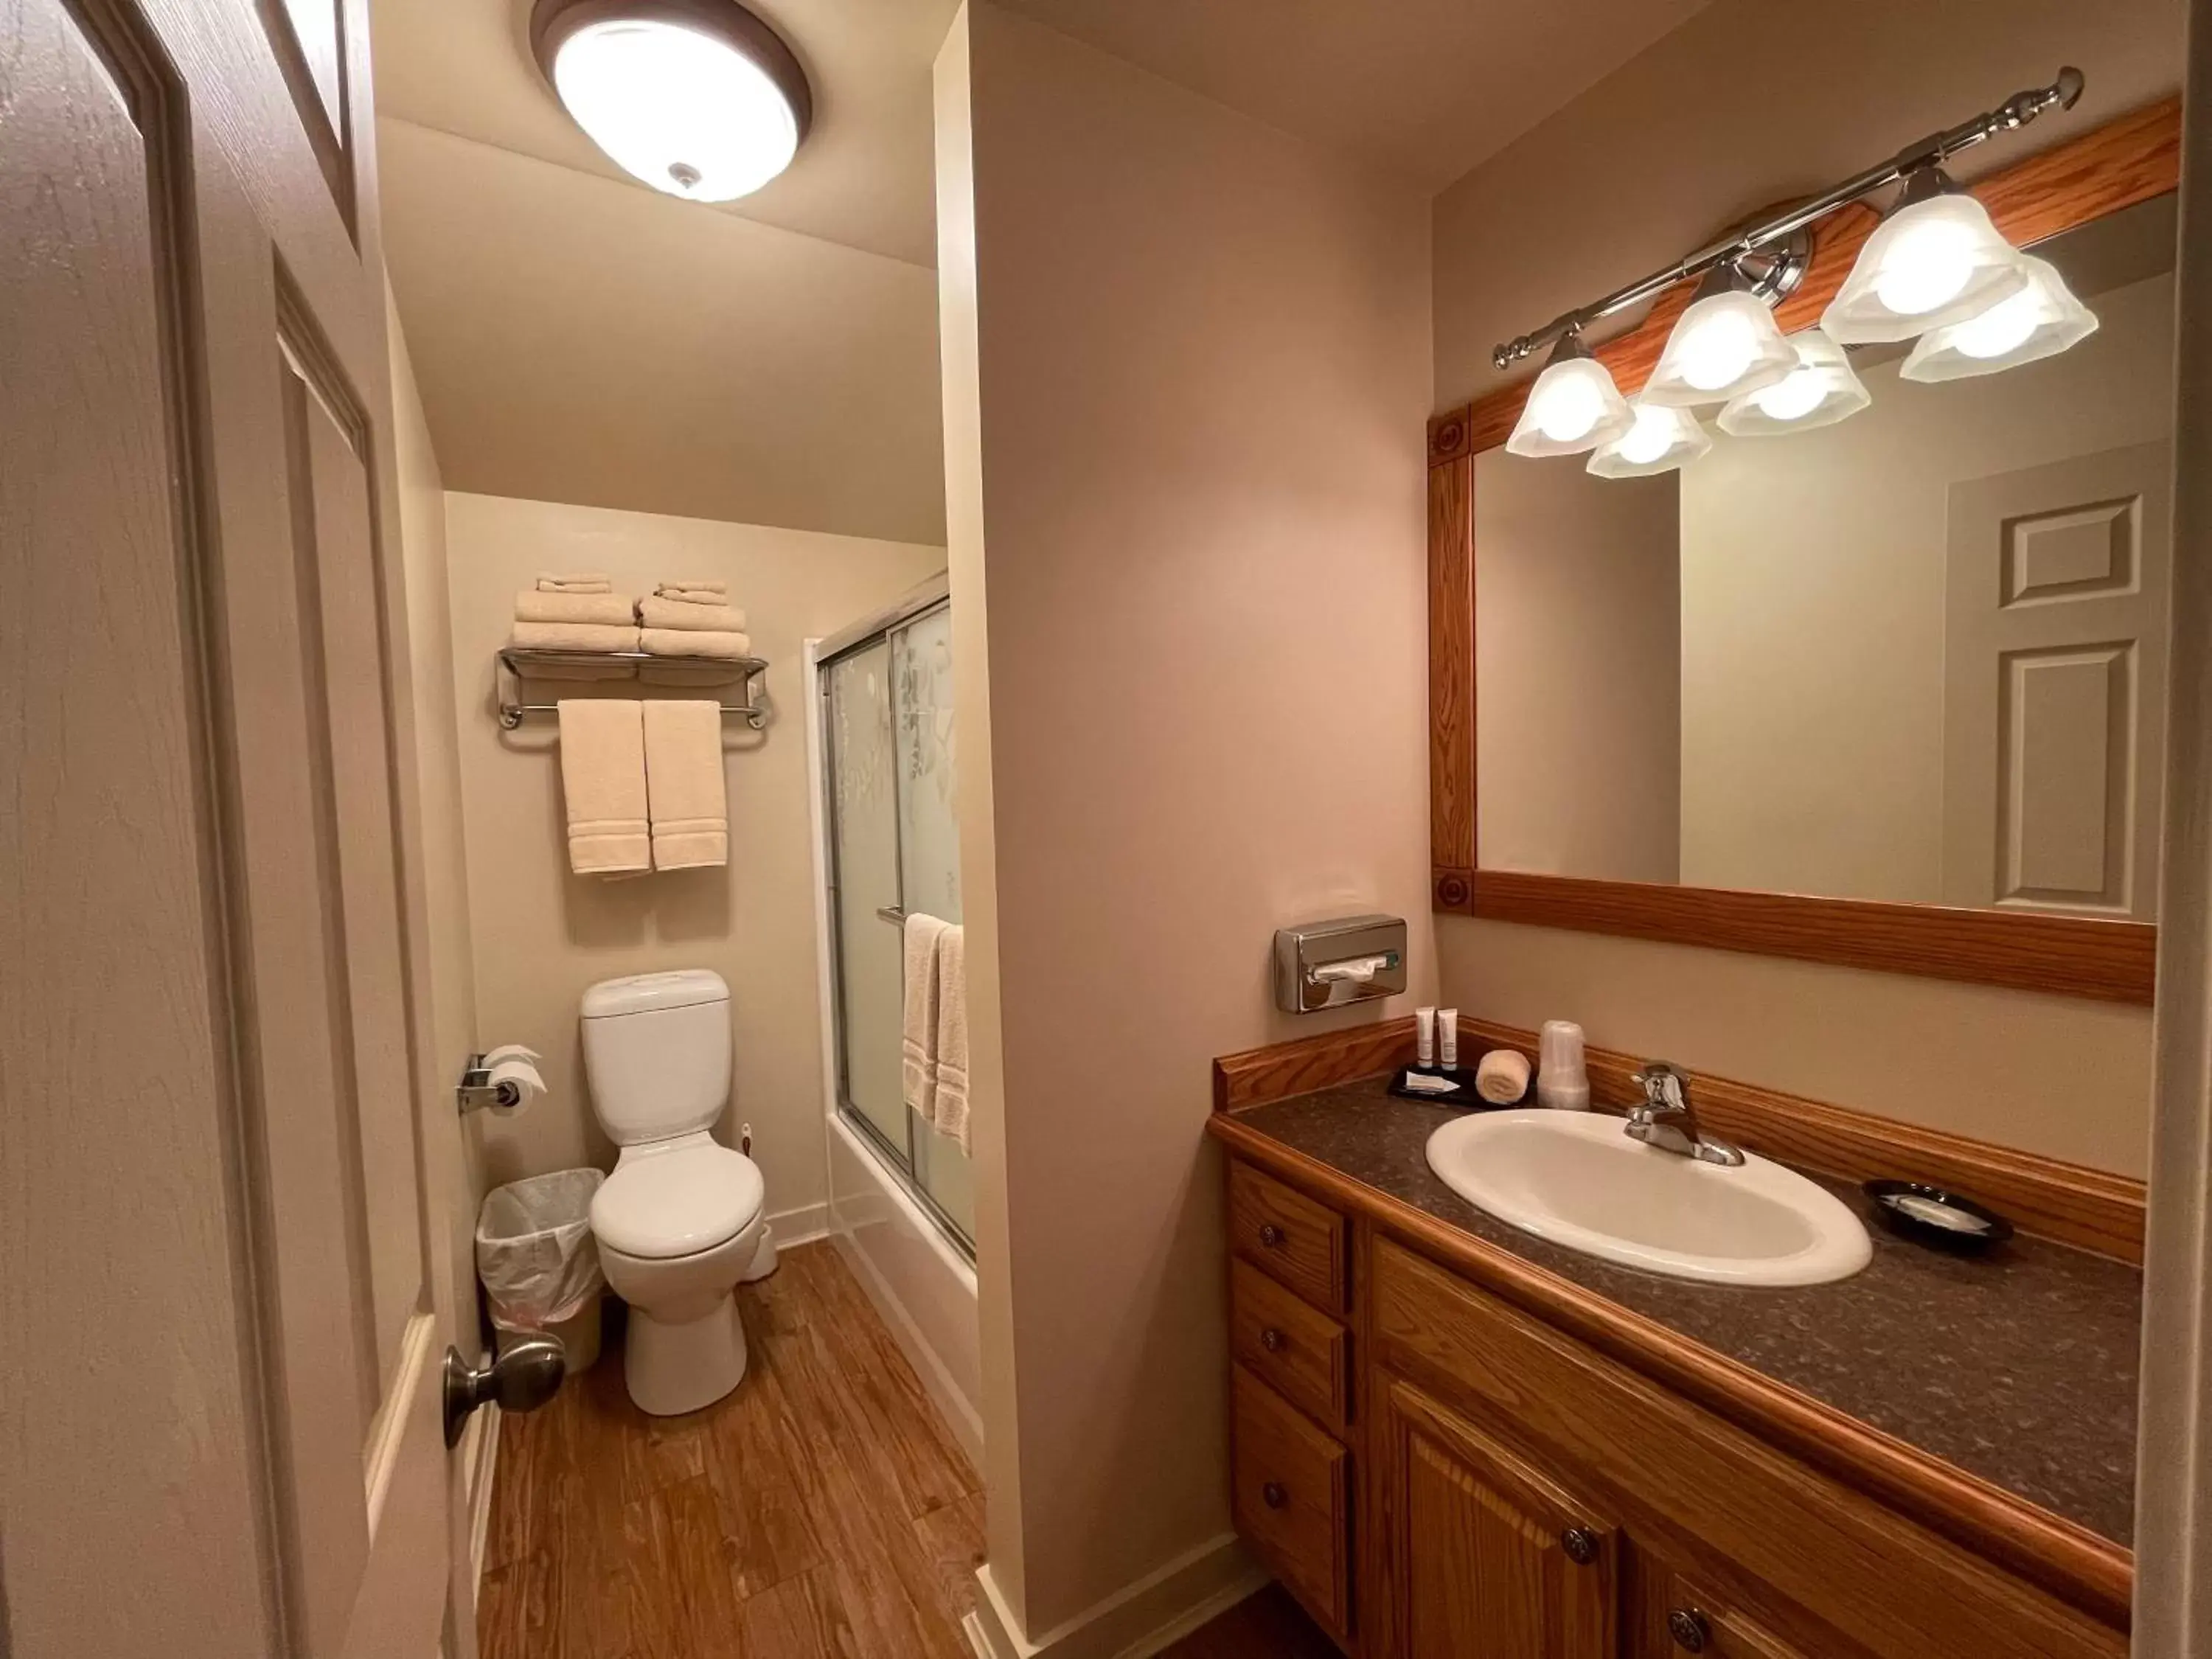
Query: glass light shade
[687, 113]
[2041, 320]
[1573, 406]
[1726, 344]
[1930, 264]
[1663, 438]
[1820, 392]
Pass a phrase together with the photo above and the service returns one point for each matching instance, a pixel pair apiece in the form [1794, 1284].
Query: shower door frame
[931, 597]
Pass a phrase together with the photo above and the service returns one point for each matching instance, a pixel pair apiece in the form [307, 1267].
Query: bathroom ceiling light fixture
[1935, 259]
[1819, 391]
[1573, 406]
[1725, 345]
[698, 98]
[2041, 320]
[1663, 438]
[1761, 238]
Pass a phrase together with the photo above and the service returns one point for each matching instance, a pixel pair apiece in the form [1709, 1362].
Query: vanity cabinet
[1438, 1473]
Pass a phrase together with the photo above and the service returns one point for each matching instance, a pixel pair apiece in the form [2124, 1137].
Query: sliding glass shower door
[895, 846]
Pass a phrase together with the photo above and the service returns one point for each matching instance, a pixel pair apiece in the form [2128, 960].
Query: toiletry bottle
[1447, 1038]
[1561, 1081]
[1425, 1039]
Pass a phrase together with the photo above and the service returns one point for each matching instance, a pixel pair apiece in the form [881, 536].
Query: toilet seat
[676, 1198]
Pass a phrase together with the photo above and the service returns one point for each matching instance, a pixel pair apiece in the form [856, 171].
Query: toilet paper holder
[1327, 964]
[478, 1089]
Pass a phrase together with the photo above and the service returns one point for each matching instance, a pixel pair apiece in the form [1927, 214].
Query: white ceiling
[1425, 89]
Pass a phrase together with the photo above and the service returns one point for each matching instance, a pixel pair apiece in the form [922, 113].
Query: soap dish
[1940, 1219]
[1437, 1086]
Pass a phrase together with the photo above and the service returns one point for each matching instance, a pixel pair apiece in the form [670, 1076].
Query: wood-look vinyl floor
[819, 1512]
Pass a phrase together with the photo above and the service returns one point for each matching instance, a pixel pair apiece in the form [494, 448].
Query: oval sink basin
[1576, 1179]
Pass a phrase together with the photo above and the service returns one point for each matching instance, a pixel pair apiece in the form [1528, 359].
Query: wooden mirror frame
[2133, 159]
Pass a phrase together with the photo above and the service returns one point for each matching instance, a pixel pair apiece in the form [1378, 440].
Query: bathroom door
[227, 1227]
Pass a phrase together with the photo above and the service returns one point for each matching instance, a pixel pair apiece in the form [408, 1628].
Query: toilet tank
[657, 1053]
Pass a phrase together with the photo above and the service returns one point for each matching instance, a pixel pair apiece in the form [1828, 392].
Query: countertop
[2019, 1366]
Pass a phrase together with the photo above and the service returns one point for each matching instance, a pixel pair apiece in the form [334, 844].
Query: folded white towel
[684, 788]
[658, 612]
[603, 786]
[707, 593]
[573, 636]
[575, 581]
[695, 642]
[949, 1111]
[918, 1029]
[537, 605]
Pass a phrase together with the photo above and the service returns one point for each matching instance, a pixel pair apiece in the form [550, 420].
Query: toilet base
[672, 1368]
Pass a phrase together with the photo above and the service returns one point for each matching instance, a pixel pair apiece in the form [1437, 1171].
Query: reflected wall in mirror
[1918, 656]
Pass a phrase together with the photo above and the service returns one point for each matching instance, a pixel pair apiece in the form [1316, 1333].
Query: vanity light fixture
[2043, 319]
[1725, 345]
[1663, 438]
[697, 98]
[1820, 392]
[1574, 406]
[1935, 260]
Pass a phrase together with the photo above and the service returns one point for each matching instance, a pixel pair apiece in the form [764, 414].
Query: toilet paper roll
[528, 1085]
[513, 1051]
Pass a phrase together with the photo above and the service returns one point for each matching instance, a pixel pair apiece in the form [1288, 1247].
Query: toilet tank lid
[641, 993]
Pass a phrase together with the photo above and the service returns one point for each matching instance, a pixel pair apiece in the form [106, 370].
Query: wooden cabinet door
[1484, 1555]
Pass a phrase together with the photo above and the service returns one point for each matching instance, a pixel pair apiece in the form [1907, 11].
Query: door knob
[522, 1379]
[1687, 1626]
[1580, 1544]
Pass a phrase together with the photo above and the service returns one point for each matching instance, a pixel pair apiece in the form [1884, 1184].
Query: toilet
[679, 1221]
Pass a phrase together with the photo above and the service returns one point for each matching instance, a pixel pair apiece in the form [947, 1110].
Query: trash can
[539, 1263]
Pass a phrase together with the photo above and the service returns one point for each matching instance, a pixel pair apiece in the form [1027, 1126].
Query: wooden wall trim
[2073, 1563]
[2129, 160]
[2068, 1203]
[2106, 961]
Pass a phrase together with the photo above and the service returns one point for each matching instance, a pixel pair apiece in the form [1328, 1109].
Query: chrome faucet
[1667, 1120]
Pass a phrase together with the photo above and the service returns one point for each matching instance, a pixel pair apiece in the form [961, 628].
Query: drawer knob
[1273, 1496]
[1580, 1545]
[1687, 1626]
[1272, 1235]
[1272, 1340]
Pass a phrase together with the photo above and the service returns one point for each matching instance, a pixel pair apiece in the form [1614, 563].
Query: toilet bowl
[681, 1218]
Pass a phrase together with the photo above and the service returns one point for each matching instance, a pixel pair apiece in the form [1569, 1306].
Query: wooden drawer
[1301, 1354]
[1291, 1497]
[1288, 1235]
[1902, 1591]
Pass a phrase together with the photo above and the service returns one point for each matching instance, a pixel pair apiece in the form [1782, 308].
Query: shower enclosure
[893, 846]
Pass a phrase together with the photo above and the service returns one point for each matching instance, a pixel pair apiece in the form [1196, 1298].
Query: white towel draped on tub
[683, 785]
[918, 1030]
[603, 786]
[949, 1111]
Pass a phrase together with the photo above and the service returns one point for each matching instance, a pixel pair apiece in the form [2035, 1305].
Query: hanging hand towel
[918, 1015]
[950, 1111]
[535, 605]
[701, 614]
[718, 643]
[603, 786]
[683, 785]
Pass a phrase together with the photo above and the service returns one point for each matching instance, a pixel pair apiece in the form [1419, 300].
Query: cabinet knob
[1272, 1235]
[1273, 1496]
[1580, 1545]
[1687, 1626]
[1272, 1340]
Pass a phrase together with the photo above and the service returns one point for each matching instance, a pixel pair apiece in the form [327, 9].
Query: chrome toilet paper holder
[478, 1089]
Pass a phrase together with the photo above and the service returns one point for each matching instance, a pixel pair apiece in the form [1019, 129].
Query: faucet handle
[1664, 1085]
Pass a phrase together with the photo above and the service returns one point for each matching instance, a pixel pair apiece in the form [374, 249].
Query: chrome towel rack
[517, 664]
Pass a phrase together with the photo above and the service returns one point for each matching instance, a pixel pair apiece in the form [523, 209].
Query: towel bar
[516, 663]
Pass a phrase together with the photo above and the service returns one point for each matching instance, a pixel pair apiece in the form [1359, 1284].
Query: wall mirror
[1890, 692]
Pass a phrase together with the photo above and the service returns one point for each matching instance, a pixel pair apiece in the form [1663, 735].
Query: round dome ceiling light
[698, 98]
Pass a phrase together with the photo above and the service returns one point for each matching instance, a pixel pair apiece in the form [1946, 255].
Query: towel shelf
[518, 663]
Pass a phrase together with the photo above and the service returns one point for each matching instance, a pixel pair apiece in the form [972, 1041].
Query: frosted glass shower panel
[921, 709]
[863, 771]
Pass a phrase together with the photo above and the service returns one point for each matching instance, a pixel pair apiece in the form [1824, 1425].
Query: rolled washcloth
[695, 642]
[658, 612]
[575, 581]
[573, 636]
[1503, 1077]
[537, 604]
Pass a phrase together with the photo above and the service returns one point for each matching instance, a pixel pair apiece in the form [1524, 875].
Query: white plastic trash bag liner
[534, 1249]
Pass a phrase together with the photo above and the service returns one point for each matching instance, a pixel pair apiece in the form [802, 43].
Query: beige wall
[438, 773]
[1747, 103]
[1202, 368]
[1726, 114]
[1578, 648]
[543, 934]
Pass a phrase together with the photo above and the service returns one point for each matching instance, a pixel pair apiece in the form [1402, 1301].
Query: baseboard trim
[801, 1227]
[480, 1466]
[1135, 1622]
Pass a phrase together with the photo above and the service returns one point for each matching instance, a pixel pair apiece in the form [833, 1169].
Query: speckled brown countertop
[2019, 1367]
